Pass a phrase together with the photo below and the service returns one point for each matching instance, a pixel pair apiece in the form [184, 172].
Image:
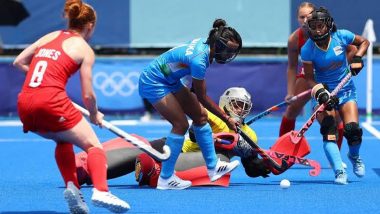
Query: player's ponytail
[216, 29]
[78, 14]
[219, 37]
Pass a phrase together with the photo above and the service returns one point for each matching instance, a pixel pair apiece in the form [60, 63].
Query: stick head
[285, 145]
[316, 168]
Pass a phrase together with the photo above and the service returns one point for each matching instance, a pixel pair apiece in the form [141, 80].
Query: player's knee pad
[147, 170]
[329, 129]
[353, 133]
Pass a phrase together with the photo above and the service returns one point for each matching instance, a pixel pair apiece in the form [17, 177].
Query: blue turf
[30, 181]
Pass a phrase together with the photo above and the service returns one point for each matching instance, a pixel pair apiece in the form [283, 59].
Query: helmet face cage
[236, 102]
[319, 16]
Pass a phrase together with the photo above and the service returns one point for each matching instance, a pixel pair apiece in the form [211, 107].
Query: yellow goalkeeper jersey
[217, 126]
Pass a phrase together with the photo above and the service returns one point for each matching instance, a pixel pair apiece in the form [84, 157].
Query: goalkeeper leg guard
[147, 170]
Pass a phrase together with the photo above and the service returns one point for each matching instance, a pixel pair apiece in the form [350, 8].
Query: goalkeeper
[123, 158]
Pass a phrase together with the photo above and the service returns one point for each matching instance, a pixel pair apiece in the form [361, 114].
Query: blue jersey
[191, 58]
[331, 66]
[164, 74]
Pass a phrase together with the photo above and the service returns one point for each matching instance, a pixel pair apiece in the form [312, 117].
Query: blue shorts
[154, 90]
[345, 95]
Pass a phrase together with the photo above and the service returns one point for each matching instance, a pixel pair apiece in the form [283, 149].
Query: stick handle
[298, 135]
[133, 140]
[276, 107]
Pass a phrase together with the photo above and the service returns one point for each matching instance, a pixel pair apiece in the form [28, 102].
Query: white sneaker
[75, 200]
[358, 165]
[173, 182]
[340, 177]
[221, 169]
[109, 201]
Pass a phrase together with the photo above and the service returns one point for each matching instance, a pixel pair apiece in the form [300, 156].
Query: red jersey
[301, 42]
[43, 104]
[301, 39]
[51, 66]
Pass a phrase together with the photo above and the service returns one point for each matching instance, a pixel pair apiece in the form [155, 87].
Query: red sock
[287, 125]
[97, 167]
[65, 158]
[340, 135]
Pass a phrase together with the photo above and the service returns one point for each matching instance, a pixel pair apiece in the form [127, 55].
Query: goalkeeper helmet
[236, 102]
[320, 24]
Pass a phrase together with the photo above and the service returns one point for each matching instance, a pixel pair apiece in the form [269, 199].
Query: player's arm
[356, 64]
[199, 87]
[292, 64]
[362, 44]
[23, 60]
[88, 94]
[350, 52]
[309, 73]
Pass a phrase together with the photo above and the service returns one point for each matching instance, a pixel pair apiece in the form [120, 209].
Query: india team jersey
[330, 65]
[191, 58]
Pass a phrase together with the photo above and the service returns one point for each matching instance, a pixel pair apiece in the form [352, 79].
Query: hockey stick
[296, 136]
[267, 158]
[299, 160]
[133, 140]
[276, 107]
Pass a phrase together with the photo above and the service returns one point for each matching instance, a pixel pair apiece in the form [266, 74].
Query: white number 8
[38, 74]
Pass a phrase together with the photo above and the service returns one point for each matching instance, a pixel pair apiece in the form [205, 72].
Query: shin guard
[203, 135]
[175, 142]
[97, 167]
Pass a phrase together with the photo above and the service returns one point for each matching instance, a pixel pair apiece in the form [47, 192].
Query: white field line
[371, 129]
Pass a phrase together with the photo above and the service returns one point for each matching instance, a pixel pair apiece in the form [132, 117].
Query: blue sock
[175, 143]
[354, 150]
[203, 135]
[333, 155]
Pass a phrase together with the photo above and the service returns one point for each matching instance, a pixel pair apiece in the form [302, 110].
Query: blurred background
[130, 33]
